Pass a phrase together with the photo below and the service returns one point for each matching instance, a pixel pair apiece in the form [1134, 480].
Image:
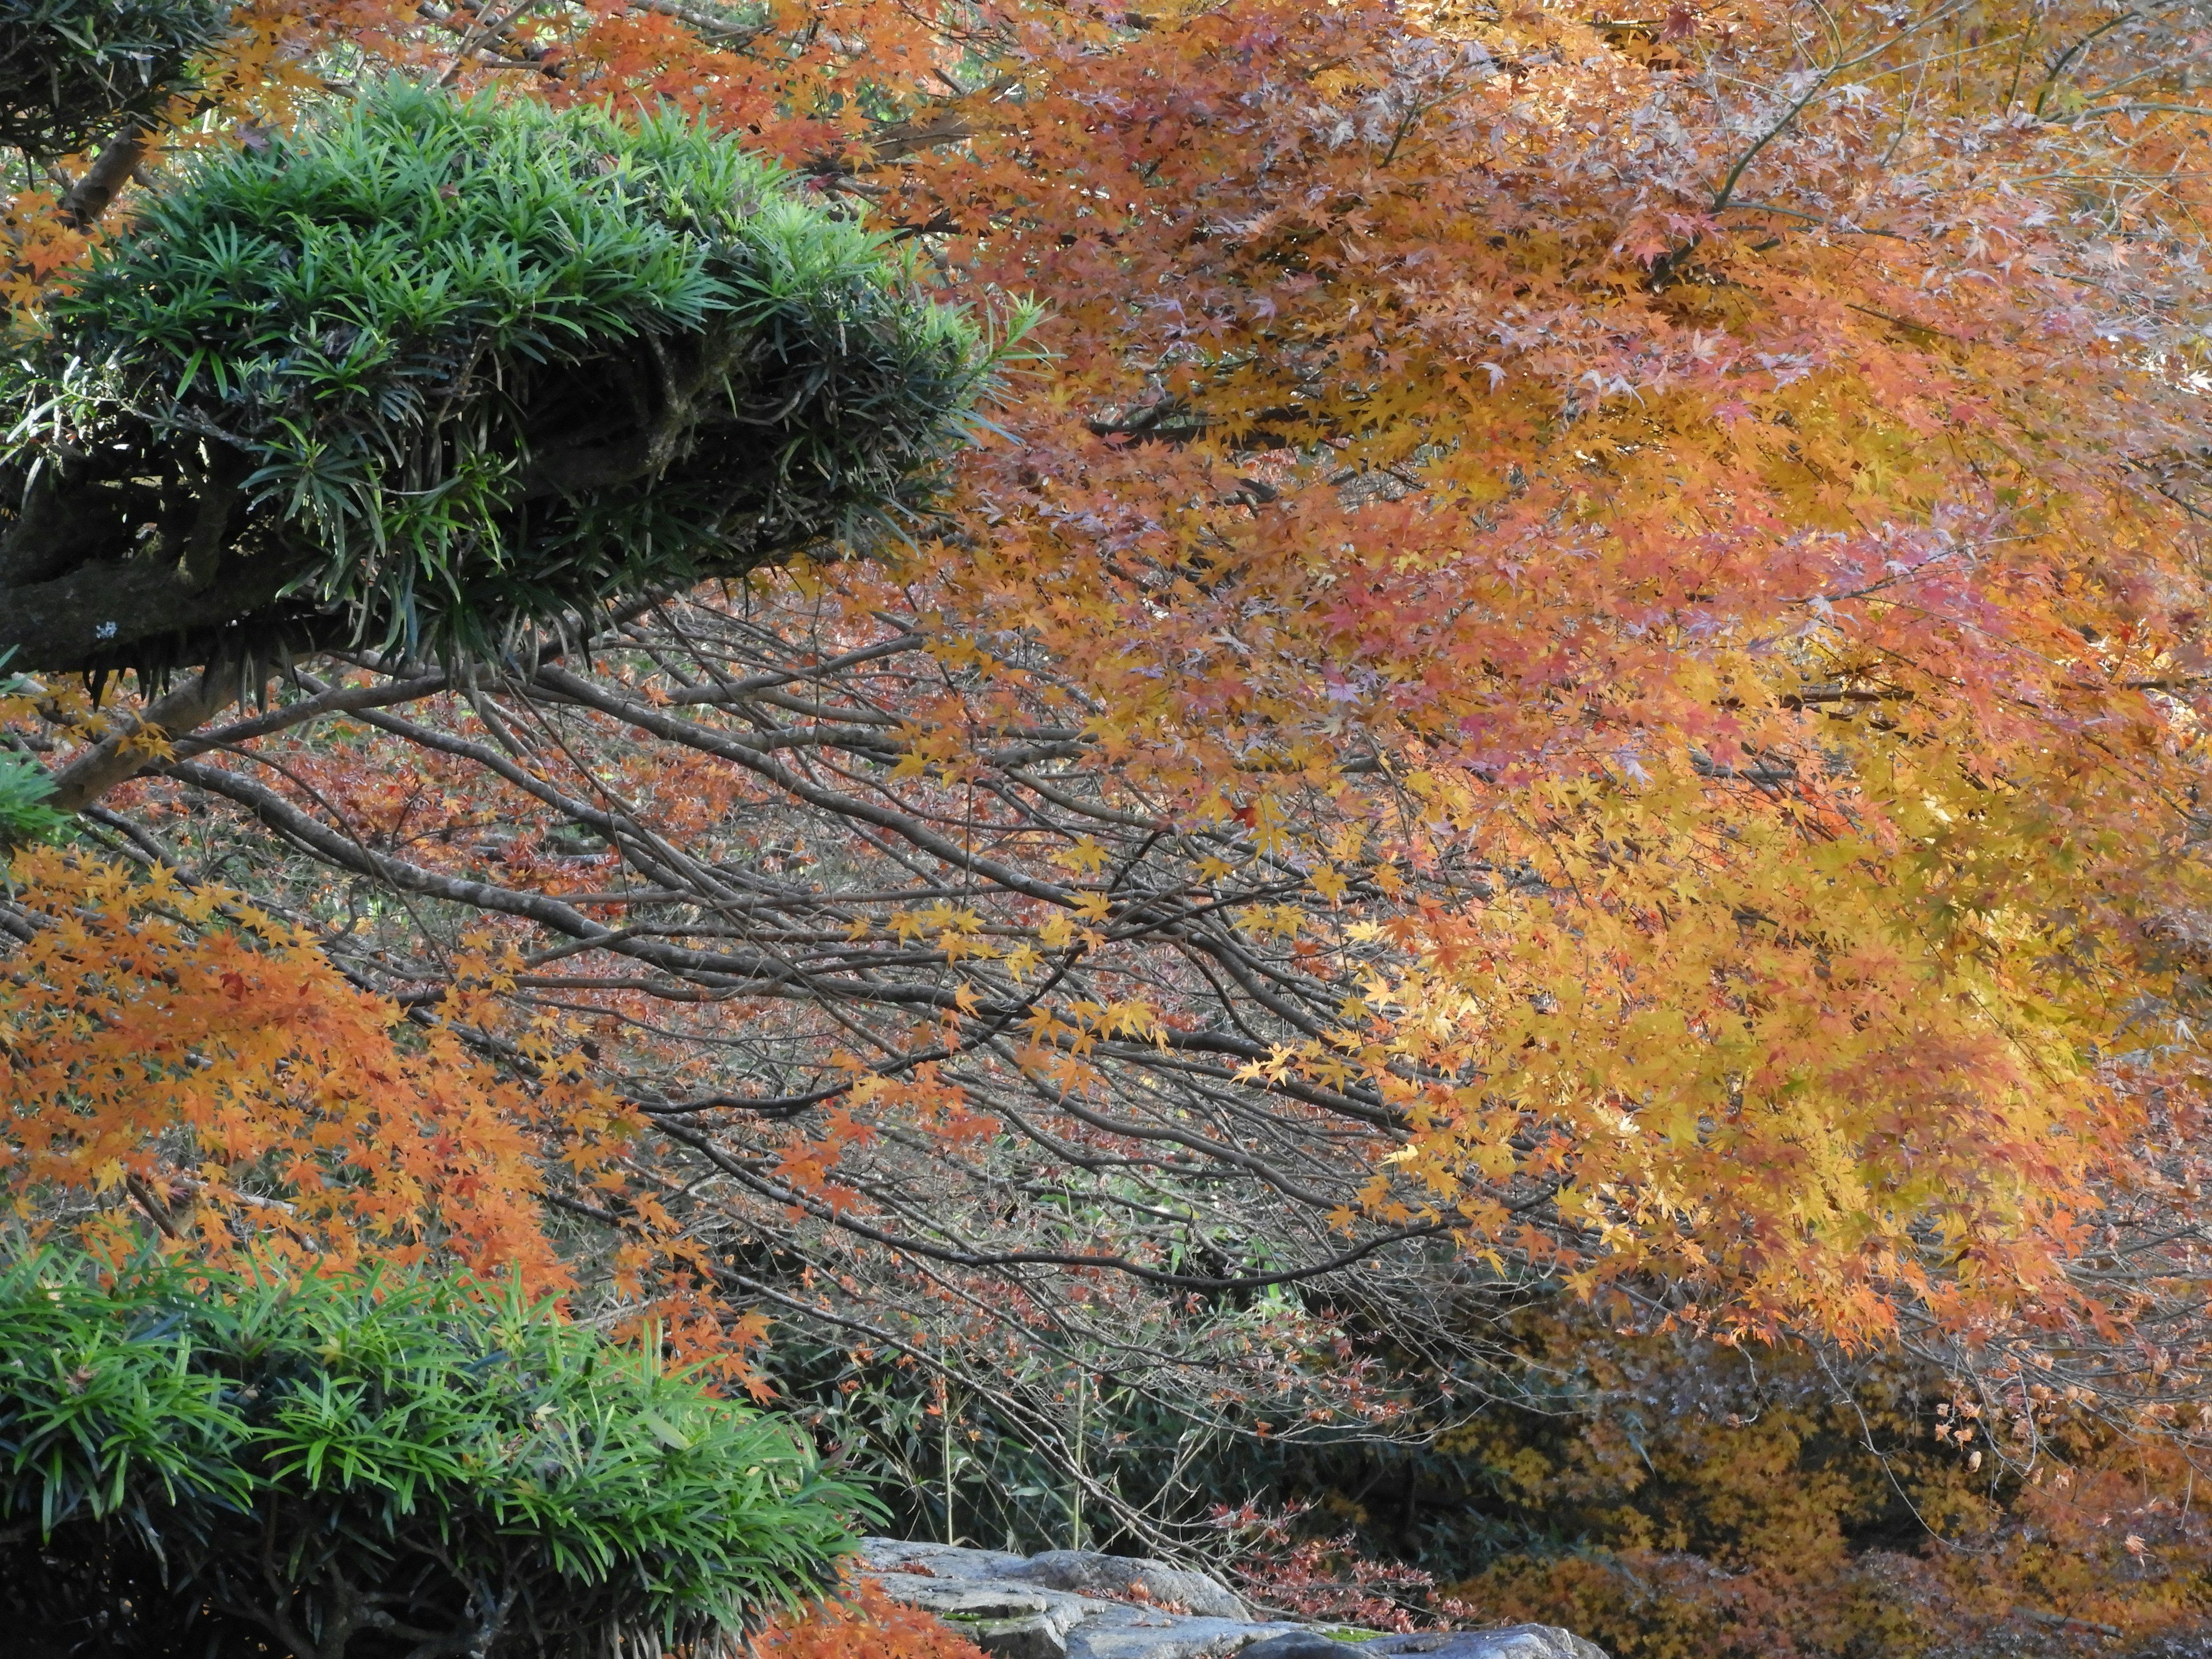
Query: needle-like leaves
[439, 367]
[224, 1456]
[71, 70]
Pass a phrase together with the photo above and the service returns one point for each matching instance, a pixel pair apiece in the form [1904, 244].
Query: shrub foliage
[72, 71]
[361, 1466]
[433, 366]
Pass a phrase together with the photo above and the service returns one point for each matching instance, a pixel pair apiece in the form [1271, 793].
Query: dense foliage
[429, 369]
[378, 1464]
[72, 71]
[344, 1136]
[1668, 1495]
[25, 789]
[867, 1625]
[1675, 1498]
[24, 814]
[1584, 673]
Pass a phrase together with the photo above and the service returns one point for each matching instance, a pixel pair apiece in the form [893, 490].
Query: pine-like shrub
[368, 1467]
[71, 71]
[431, 367]
[25, 787]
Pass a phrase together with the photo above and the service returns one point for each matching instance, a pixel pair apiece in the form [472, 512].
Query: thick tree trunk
[121, 613]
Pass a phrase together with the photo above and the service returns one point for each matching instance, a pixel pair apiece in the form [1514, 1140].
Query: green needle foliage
[71, 71]
[25, 788]
[437, 368]
[24, 814]
[196, 1463]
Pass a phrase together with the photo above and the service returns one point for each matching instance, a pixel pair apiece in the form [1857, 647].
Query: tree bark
[119, 159]
[115, 758]
[101, 615]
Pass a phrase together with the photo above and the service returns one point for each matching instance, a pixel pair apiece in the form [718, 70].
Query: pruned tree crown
[435, 368]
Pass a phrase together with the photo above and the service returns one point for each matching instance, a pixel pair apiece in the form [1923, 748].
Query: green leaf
[409, 1436]
[394, 314]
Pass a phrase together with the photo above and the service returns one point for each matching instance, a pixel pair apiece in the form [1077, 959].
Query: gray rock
[1037, 1636]
[1129, 1633]
[1008, 1620]
[972, 1599]
[1086, 1572]
[1516, 1642]
[1077, 1604]
[937, 1560]
[1301, 1644]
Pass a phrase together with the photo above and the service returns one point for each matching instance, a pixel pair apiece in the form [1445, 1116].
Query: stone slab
[1514, 1642]
[1087, 1573]
[1079, 1604]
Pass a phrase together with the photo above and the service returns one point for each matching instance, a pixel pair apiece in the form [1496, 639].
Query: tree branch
[120, 157]
[120, 756]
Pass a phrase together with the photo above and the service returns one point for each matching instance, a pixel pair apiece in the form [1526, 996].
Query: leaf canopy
[1594, 646]
[70, 71]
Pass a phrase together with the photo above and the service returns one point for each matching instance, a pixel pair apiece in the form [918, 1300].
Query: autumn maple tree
[1578, 661]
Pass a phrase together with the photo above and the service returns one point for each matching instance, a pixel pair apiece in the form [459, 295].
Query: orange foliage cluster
[1732, 1506]
[871, 1626]
[183, 1047]
[174, 1057]
[1733, 607]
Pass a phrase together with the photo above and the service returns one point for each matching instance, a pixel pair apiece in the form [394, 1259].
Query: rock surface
[1123, 1578]
[1076, 1604]
[1513, 1642]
